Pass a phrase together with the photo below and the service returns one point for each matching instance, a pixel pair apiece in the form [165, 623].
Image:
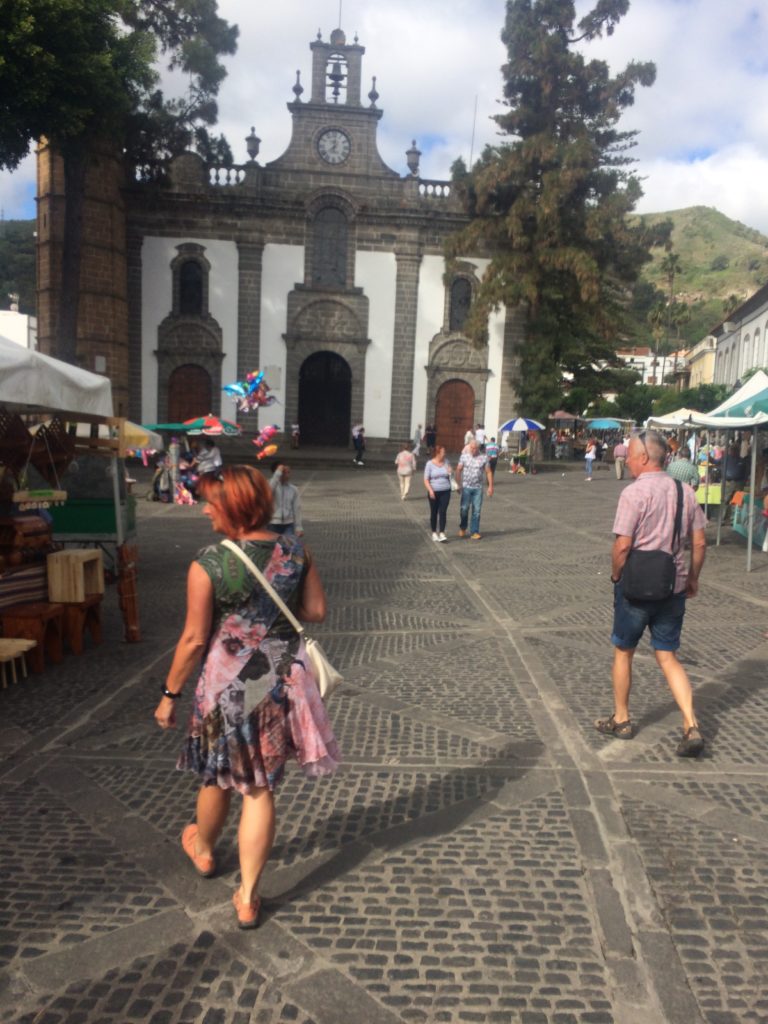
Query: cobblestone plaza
[483, 856]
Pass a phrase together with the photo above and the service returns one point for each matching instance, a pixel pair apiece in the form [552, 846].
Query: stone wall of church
[157, 308]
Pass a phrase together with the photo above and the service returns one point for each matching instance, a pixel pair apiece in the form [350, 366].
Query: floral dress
[256, 701]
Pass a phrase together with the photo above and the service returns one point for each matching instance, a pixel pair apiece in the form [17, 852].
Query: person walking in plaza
[430, 438]
[358, 440]
[620, 457]
[492, 454]
[437, 480]
[286, 502]
[590, 455]
[645, 521]
[681, 468]
[405, 460]
[472, 467]
[256, 701]
[417, 438]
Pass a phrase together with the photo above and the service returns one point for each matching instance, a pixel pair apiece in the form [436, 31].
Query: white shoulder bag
[326, 676]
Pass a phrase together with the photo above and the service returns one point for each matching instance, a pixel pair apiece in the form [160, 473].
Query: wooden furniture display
[39, 621]
[79, 617]
[12, 651]
[75, 575]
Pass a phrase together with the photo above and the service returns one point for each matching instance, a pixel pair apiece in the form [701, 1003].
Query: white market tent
[39, 382]
[752, 390]
[672, 420]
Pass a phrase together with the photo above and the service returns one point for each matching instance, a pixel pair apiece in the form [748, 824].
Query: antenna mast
[472, 144]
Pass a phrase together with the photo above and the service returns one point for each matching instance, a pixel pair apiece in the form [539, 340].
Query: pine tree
[550, 206]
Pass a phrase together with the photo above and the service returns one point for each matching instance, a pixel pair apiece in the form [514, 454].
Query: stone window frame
[466, 273]
[189, 252]
[323, 201]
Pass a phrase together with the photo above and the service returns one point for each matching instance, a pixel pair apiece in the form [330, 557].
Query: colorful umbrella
[211, 425]
[604, 424]
[521, 423]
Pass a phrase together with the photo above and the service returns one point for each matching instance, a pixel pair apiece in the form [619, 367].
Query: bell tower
[334, 132]
[336, 70]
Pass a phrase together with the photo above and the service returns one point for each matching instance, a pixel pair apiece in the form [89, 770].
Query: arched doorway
[325, 399]
[189, 393]
[454, 409]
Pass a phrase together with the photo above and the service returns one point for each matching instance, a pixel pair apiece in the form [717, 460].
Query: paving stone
[406, 887]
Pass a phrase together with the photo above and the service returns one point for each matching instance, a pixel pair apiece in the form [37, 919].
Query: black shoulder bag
[650, 575]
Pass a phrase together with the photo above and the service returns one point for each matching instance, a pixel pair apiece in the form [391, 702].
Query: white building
[742, 339]
[18, 327]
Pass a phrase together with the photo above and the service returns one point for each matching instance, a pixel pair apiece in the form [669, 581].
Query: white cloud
[732, 180]
[703, 125]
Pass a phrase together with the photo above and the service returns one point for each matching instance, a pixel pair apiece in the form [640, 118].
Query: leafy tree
[82, 72]
[17, 263]
[730, 304]
[702, 398]
[550, 205]
[637, 403]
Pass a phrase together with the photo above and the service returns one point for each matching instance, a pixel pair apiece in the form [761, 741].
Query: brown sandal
[619, 730]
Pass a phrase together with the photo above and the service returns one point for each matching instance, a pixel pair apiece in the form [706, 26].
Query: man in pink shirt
[645, 521]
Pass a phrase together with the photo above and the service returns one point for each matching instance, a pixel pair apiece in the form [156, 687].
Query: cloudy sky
[703, 125]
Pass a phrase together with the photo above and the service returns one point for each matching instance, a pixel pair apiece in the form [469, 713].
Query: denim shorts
[664, 619]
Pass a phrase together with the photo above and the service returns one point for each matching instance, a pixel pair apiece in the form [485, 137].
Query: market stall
[61, 453]
[746, 411]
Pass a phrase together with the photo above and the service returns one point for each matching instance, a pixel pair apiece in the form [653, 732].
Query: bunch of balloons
[251, 393]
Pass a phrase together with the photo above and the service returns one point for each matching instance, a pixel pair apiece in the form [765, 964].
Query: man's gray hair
[655, 445]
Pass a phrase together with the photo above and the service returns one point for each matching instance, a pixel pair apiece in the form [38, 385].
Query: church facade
[324, 268]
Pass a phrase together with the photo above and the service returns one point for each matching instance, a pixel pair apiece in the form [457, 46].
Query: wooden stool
[38, 621]
[10, 650]
[79, 616]
[75, 574]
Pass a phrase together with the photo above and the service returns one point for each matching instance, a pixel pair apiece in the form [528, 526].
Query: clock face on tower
[333, 146]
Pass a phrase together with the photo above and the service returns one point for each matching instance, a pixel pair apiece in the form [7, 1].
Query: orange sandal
[204, 864]
[247, 913]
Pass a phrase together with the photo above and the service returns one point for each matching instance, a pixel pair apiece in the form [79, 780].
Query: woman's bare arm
[312, 603]
[192, 641]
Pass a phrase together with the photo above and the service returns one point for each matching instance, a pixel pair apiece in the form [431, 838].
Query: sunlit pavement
[483, 856]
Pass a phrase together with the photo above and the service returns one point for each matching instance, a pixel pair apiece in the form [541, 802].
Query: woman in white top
[589, 458]
[405, 461]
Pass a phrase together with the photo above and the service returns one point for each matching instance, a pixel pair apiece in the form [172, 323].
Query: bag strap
[230, 544]
[678, 515]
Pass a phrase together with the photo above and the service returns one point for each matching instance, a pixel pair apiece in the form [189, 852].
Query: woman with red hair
[256, 701]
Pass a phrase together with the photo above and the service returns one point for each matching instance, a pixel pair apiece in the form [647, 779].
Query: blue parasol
[521, 423]
[604, 424]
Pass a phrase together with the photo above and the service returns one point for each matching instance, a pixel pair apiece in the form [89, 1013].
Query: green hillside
[719, 257]
[17, 263]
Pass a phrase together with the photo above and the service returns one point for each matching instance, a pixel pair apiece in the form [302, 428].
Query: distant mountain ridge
[719, 257]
